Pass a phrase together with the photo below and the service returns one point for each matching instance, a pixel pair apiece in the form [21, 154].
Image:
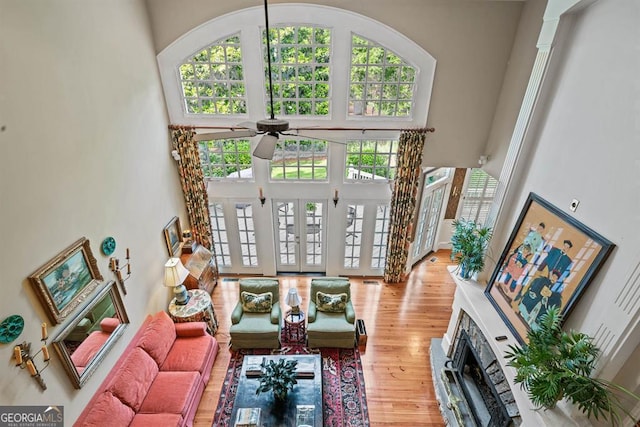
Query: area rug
[343, 390]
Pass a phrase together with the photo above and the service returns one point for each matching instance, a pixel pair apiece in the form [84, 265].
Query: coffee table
[308, 391]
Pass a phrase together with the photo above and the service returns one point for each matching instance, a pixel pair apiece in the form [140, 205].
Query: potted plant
[557, 365]
[278, 376]
[469, 244]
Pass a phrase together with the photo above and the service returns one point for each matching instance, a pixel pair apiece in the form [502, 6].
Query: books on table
[306, 368]
[248, 417]
[305, 415]
[254, 366]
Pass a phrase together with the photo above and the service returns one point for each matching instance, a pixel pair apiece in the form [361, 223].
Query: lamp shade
[293, 299]
[266, 146]
[174, 273]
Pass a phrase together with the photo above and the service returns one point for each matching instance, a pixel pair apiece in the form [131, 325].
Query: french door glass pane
[354, 231]
[247, 235]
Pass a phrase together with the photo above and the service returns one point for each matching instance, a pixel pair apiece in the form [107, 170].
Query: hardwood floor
[401, 319]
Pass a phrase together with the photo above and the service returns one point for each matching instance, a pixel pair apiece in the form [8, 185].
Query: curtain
[193, 185]
[403, 203]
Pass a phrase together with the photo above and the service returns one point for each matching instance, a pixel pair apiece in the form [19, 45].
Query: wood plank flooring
[401, 319]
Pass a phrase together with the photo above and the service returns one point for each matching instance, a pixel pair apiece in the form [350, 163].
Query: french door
[300, 233]
[433, 192]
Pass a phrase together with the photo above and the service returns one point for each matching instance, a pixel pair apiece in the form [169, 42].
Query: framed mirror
[84, 342]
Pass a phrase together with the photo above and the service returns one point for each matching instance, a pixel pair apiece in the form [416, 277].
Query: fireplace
[477, 384]
[474, 347]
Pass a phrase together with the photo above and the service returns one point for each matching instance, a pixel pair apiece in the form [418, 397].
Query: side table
[198, 309]
[295, 329]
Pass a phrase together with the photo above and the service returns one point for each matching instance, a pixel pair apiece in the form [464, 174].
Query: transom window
[212, 79]
[230, 158]
[371, 160]
[300, 59]
[303, 159]
[381, 83]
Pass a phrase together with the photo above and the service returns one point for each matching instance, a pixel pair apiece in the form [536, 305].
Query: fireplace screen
[483, 399]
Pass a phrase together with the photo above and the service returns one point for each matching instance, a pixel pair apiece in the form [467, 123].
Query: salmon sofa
[159, 379]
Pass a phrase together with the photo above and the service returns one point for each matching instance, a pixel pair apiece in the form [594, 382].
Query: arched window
[328, 64]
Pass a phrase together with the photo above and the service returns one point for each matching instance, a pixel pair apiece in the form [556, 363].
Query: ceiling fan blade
[266, 146]
[248, 125]
[299, 135]
[225, 135]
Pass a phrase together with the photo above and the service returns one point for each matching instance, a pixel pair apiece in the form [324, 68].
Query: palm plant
[469, 244]
[278, 376]
[557, 364]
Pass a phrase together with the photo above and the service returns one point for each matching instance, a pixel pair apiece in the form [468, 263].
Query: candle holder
[114, 265]
[261, 197]
[24, 358]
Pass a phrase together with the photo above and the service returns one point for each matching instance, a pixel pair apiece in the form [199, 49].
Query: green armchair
[256, 318]
[331, 317]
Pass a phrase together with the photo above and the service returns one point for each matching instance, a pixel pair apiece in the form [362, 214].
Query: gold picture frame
[65, 282]
[173, 236]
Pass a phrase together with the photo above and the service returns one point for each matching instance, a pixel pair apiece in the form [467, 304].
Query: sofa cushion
[134, 378]
[89, 348]
[109, 324]
[156, 420]
[191, 329]
[171, 392]
[331, 303]
[158, 337]
[108, 408]
[189, 354]
[256, 303]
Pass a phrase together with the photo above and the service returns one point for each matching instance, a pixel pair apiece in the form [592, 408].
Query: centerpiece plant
[469, 244]
[279, 376]
[557, 365]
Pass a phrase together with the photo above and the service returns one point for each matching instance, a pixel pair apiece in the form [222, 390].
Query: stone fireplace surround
[470, 300]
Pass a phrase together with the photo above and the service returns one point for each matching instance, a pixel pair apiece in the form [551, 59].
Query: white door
[433, 192]
[300, 233]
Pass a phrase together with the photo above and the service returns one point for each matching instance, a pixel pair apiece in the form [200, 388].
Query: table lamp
[174, 275]
[293, 300]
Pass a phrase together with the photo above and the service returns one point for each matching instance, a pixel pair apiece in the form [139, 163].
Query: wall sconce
[24, 359]
[335, 198]
[261, 196]
[114, 265]
[483, 160]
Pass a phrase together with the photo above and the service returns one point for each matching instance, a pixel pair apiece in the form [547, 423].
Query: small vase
[465, 273]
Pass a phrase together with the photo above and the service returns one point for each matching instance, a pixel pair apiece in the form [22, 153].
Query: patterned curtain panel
[193, 185]
[403, 202]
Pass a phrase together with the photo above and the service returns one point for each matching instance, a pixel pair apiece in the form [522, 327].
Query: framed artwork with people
[549, 260]
[65, 282]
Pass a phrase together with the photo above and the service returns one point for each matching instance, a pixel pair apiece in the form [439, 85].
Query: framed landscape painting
[63, 283]
[173, 236]
[549, 260]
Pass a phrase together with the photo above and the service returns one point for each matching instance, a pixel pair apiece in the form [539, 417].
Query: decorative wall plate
[108, 246]
[10, 328]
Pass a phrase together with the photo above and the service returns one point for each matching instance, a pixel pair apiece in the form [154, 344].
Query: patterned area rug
[343, 391]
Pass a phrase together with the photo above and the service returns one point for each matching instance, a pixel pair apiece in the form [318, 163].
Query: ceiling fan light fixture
[267, 146]
[272, 125]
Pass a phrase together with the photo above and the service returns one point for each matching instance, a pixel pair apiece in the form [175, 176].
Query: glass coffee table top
[303, 406]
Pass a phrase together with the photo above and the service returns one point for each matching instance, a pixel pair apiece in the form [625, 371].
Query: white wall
[85, 152]
[586, 146]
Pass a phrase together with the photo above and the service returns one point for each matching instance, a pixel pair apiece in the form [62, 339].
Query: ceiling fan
[270, 128]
